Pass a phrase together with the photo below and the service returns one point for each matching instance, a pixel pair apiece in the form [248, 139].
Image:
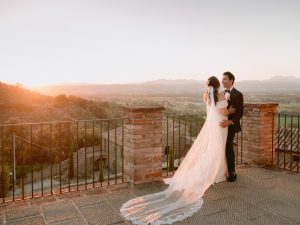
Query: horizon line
[130, 83]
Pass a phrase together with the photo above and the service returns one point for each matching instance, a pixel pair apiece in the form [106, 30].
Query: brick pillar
[143, 144]
[258, 129]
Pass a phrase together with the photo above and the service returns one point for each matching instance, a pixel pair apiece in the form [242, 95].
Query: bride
[204, 165]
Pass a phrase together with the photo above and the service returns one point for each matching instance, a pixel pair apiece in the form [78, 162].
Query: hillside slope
[18, 105]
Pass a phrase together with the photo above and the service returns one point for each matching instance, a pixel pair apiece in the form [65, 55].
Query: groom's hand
[225, 123]
[231, 110]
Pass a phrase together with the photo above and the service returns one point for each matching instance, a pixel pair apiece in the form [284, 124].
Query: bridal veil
[196, 173]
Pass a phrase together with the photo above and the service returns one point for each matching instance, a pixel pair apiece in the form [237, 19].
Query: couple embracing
[210, 160]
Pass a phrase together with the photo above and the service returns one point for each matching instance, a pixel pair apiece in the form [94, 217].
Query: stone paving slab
[281, 208]
[210, 207]
[221, 218]
[101, 214]
[88, 200]
[38, 220]
[271, 219]
[117, 199]
[144, 189]
[62, 210]
[284, 195]
[216, 193]
[76, 221]
[252, 182]
[289, 185]
[246, 194]
[259, 196]
[261, 173]
[21, 212]
[242, 208]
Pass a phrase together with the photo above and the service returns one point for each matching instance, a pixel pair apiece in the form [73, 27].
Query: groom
[236, 102]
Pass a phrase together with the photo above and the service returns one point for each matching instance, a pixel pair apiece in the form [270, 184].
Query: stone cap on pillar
[261, 104]
[266, 107]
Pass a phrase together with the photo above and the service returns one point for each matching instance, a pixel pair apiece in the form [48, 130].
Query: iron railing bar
[101, 157]
[13, 160]
[272, 156]
[108, 152]
[70, 151]
[85, 159]
[51, 166]
[2, 162]
[284, 141]
[167, 147]
[122, 153]
[278, 139]
[115, 151]
[173, 143]
[298, 146]
[60, 158]
[77, 159]
[179, 144]
[291, 148]
[22, 162]
[31, 138]
[93, 164]
[42, 169]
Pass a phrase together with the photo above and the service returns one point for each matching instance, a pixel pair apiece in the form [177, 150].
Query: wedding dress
[204, 165]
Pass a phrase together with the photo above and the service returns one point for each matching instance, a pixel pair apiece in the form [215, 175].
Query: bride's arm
[205, 96]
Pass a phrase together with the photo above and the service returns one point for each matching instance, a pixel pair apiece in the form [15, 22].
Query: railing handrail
[288, 113]
[62, 121]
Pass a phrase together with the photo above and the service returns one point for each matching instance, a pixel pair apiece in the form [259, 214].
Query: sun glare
[28, 83]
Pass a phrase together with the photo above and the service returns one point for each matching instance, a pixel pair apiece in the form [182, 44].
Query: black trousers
[230, 156]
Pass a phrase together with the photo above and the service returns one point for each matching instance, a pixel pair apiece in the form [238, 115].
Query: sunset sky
[120, 41]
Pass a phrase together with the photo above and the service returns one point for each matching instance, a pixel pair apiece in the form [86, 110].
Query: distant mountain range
[275, 84]
[169, 87]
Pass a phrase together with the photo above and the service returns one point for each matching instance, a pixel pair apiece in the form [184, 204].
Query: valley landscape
[94, 101]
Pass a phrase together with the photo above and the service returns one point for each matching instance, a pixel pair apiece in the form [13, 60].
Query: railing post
[143, 144]
[258, 133]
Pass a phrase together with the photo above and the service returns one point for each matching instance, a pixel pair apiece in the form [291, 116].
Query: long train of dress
[204, 164]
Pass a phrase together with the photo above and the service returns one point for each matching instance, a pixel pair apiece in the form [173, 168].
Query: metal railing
[47, 158]
[38, 159]
[286, 150]
[179, 133]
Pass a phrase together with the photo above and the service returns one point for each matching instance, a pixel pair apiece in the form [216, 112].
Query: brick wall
[143, 144]
[258, 129]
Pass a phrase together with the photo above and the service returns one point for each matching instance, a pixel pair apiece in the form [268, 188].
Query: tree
[61, 100]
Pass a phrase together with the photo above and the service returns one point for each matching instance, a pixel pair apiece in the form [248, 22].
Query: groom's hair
[230, 76]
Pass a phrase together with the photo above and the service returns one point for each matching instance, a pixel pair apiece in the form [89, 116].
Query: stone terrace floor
[259, 196]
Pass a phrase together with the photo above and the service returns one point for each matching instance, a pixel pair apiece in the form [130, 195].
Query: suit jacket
[236, 100]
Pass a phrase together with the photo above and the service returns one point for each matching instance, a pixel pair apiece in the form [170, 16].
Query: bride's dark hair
[215, 83]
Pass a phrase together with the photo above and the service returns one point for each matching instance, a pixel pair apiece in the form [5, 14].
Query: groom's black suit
[236, 100]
